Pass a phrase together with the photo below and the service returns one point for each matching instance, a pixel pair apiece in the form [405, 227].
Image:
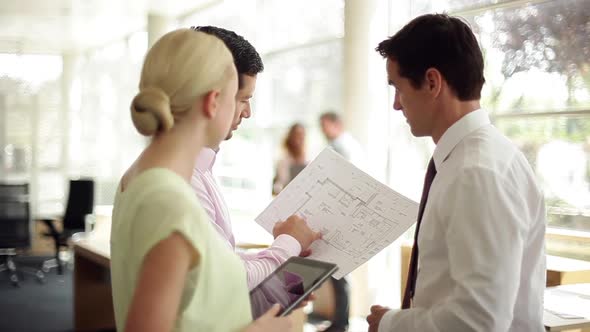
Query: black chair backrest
[80, 203]
[15, 216]
[14, 190]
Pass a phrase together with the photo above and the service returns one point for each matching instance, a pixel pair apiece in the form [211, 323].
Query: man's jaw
[232, 129]
[231, 133]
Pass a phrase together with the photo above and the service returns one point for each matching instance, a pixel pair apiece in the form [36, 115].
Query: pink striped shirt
[258, 265]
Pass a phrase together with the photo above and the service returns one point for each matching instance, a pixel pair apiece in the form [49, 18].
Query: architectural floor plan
[357, 215]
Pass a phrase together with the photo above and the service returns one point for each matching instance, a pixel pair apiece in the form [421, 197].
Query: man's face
[414, 103]
[226, 104]
[243, 97]
[330, 129]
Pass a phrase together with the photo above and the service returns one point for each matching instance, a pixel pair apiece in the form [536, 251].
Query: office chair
[15, 229]
[80, 203]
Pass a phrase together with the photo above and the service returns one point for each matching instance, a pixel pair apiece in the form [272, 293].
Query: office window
[31, 136]
[105, 82]
[538, 90]
[301, 84]
[236, 15]
[291, 23]
[39, 147]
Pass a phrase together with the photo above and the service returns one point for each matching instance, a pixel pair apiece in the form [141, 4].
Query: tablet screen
[289, 284]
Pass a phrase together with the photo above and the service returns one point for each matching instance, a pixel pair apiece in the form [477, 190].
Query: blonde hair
[181, 67]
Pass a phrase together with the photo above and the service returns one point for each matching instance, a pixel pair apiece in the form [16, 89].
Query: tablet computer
[289, 285]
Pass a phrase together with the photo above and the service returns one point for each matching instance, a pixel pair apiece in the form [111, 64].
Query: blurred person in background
[294, 160]
[339, 139]
[350, 149]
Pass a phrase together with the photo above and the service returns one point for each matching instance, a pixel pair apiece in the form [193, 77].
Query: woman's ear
[210, 104]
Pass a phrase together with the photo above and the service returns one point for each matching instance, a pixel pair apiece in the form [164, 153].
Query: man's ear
[210, 104]
[434, 81]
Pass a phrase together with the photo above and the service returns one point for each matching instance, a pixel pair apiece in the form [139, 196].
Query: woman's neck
[176, 150]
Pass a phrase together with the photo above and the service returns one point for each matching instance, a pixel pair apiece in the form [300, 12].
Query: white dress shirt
[481, 263]
[349, 148]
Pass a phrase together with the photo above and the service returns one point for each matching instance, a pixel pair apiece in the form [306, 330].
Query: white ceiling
[58, 26]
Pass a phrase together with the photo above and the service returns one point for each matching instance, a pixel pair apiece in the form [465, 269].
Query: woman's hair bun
[151, 112]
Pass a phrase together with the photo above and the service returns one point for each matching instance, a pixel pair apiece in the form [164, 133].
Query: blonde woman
[170, 270]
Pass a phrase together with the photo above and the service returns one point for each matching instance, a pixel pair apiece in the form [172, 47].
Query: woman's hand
[270, 323]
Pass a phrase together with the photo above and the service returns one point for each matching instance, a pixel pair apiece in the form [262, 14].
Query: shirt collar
[343, 135]
[466, 125]
[206, 159]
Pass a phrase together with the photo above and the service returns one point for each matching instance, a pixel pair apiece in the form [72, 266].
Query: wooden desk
[563, 271]
[93, 299]
[93, 302]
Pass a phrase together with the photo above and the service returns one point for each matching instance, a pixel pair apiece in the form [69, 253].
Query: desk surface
[556, 263]
[93, 303]
[554, 322]
[567, 307]
[565, 271]
[95, 251]
[95, 246]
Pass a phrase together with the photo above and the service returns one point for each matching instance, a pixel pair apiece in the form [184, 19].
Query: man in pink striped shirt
[292, 236]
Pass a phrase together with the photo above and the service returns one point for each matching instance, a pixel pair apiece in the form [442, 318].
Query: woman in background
[295, 159]
[170, 271]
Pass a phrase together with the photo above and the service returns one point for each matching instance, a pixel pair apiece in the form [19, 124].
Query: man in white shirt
[481, 225]
[339, 139]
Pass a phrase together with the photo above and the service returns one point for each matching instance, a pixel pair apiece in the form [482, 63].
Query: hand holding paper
[357, 215]
[298, 228]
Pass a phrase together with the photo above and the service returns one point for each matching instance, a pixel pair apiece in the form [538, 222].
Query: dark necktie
[413, 270]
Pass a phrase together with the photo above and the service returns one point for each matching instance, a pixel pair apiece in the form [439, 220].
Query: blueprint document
[357, 215]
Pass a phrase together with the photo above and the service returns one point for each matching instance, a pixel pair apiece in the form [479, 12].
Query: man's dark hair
[331, 116]
[442, 42]
[246, 58]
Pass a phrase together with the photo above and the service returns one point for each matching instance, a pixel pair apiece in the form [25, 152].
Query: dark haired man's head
[436, 67]
[442, 42]
[248, 64]
[246, 58]
[331, 124]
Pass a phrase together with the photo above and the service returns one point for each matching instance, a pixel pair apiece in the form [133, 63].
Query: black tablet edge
[313, 287]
